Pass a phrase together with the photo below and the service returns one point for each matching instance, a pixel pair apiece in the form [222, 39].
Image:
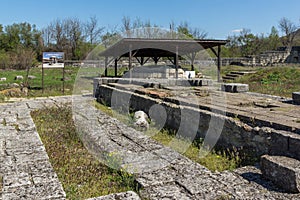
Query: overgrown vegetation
[216, 160]
[279, 81]
[81, 175]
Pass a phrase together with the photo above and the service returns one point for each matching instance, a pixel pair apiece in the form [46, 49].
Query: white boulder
[141, 120]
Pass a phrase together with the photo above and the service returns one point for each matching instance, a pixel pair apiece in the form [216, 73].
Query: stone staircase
[231, 76]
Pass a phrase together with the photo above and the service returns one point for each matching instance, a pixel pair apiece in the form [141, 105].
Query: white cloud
[237, 30]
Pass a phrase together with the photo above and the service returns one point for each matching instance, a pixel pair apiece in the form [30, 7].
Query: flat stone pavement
[161, 172]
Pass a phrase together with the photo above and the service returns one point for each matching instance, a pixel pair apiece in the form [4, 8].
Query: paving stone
[167, 191]
[27, 173]
[158, 177]
[130, 195]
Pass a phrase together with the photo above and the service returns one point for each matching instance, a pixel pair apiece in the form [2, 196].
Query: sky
[219, 18]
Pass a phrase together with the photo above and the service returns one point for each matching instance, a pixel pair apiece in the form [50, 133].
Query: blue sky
[217, 17]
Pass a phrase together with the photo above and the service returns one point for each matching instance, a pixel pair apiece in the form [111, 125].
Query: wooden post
[63, 91]
[218, 54]
[130, 61]
[116, 67]
[42, 79]
[176, 62]
[106, 65]
[193, 61]
[219, 63]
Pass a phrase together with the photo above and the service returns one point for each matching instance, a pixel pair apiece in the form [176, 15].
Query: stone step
[233, 75]
[228, 78]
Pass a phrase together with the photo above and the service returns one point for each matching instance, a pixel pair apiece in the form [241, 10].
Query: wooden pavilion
[144, 49]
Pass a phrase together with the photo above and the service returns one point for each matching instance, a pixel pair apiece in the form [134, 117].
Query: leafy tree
[273, 39]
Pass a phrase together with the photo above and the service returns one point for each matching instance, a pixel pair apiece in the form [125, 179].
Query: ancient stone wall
[262, 140]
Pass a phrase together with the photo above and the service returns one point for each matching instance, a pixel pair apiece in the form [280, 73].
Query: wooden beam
[171, 60]
[156, 59]
[116, 67]
[145, 61]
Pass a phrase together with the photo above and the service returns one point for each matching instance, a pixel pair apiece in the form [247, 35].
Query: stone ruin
[268, 126]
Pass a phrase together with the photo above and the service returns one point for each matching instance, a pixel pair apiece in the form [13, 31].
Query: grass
[80, 78]
[53, 83]
[279, 81]
[215, 160]
[229, 68]
[81, 175]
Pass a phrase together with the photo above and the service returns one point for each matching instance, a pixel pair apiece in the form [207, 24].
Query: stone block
[279, 144]
[282, 171]
[296, 98]
[235, 87]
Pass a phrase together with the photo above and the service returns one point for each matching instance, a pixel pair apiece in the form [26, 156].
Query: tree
[73, 35]
[186, 31]
[93, 31]
[127, 26]
[290, 30]
[273, 39]
[56, 31]
[183, 29]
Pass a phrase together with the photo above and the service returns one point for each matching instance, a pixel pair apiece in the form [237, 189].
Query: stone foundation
[260, 140]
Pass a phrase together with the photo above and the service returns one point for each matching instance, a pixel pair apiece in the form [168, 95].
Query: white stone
[19, 78]
[141, 120]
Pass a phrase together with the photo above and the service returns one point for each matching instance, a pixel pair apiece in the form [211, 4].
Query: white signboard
[53, 60]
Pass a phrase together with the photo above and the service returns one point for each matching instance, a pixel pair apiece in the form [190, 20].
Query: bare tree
[56, 29]
[73, 33]
[46, 33]
[127, 26]
[290, 30]
[172, 29]
[93, 31]
[198, 33]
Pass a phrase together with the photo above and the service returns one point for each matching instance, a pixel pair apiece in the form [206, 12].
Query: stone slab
[283, 171]
[296, 98]
[235, 87]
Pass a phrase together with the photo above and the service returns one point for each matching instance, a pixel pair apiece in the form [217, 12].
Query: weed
[1, 184]
[216, 160]
[81, 175]
[17, 128]
[4, 123]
